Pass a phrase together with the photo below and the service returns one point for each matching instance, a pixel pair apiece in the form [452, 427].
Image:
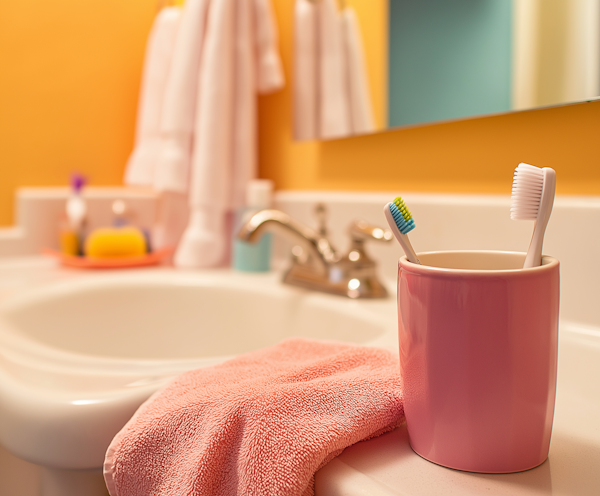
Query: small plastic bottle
[253, 257]
[72, 233]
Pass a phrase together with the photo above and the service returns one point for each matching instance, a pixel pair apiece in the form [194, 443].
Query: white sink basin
[169, 316]
[78, 356]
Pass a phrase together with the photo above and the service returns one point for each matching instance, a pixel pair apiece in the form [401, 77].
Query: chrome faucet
[315, 263]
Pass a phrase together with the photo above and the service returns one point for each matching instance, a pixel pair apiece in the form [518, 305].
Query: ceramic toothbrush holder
[478, 355]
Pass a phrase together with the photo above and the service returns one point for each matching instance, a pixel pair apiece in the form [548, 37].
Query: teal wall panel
[449, 59]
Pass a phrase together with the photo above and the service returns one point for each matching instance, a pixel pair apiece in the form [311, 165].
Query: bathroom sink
[88, 349]
[166, 316]
[53, 389]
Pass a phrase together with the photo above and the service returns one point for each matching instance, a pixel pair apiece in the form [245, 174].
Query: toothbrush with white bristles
[401, 222]
[532, 199]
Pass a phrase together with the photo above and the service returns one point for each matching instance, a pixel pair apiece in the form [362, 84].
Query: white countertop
[387, 466]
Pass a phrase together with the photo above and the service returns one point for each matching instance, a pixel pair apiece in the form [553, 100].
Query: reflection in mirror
[362, 66]
[332, 98]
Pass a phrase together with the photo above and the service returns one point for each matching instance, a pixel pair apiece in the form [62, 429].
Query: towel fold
[333, 86]
[171, 220]
[306, 71]
[197, 123]
[239, 59]
[179, 104]
[361, 108]
[269, 75]
[204, 240]
[261, 423]
[140, 168]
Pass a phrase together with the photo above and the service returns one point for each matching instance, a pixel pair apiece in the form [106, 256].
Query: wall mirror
[364, 66]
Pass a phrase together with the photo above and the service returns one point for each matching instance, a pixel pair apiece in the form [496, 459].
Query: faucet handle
[357, 267]
[321, 214]
[361, 230]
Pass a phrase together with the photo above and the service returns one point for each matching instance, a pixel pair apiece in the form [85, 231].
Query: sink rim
[26, 351]
[47, 391]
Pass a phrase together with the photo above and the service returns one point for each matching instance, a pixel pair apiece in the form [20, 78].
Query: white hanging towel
[270, 71]
[140, 167]
[179, 104]
[334, 119]
[258, 69]
[171, 219]
[239, 58]
[172, 164]
[361, 108]
[306, 71]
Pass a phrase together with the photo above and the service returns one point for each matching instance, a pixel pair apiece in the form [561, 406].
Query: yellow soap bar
[115, 243]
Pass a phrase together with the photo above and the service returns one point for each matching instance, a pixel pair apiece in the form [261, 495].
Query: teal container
[252, 257]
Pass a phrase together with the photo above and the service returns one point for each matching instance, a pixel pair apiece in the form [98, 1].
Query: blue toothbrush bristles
[404, 226]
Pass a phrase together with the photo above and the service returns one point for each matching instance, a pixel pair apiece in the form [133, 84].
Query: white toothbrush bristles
[532, 199]
[528, 183]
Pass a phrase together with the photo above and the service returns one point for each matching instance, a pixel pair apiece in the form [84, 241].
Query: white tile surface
[473, 222]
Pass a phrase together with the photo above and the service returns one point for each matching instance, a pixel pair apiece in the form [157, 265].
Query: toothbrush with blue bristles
[401, 222]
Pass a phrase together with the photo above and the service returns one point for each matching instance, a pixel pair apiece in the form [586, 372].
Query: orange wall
[69, 77]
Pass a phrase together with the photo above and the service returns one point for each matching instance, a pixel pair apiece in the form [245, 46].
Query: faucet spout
[318, 267]
[321, 253]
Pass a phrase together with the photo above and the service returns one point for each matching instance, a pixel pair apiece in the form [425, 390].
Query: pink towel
[260, 424]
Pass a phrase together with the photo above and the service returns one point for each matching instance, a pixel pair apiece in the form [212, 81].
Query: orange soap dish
[153, 258]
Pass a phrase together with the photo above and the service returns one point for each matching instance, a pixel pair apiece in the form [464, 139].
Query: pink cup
[478, 355]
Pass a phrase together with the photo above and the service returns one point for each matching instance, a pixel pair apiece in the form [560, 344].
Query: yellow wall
[69, 77]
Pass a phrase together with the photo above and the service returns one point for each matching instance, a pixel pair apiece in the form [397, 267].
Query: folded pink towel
[260, 424]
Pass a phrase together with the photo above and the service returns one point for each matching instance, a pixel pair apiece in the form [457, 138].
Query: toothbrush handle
[411, 256]
[534, 253]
